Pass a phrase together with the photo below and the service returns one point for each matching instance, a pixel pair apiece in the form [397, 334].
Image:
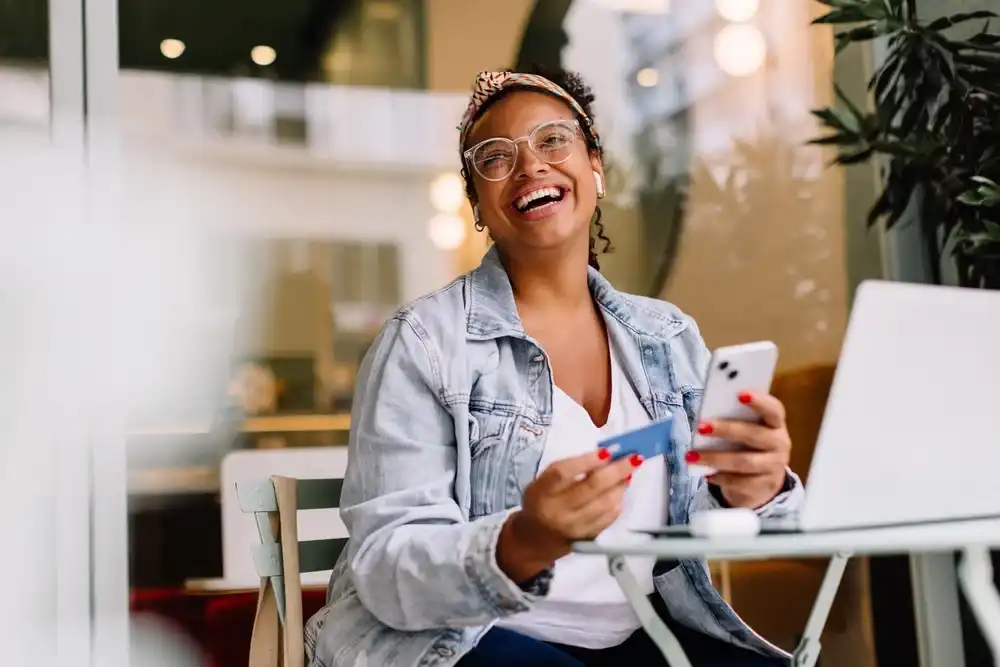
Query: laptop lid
[911, 431]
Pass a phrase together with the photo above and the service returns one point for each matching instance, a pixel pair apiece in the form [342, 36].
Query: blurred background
[262, 184]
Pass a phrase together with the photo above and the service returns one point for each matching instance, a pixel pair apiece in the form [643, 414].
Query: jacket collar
[492, 313]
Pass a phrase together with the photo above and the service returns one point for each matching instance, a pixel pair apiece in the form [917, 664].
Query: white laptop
[911, 432]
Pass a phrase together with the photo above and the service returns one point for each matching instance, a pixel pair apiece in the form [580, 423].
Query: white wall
[267, 196]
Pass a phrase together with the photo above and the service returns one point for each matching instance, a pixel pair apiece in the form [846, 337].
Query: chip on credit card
[648, 441]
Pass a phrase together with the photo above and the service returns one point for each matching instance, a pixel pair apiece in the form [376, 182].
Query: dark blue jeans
[502, 648]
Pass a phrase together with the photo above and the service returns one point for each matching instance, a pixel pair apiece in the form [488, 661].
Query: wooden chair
[281, 558]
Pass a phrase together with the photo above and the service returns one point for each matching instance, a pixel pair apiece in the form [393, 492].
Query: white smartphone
[733, 370]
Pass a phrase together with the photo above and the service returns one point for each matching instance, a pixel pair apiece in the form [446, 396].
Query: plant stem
[911, 12]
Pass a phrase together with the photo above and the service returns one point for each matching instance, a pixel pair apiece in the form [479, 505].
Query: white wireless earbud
[599, 182]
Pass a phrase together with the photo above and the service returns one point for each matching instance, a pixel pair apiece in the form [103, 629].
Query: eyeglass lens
[551, 142]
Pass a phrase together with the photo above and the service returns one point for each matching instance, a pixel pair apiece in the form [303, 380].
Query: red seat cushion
[229, 625]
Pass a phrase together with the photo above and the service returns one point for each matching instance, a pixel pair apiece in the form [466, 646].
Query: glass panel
[301, 165]
[278, 161]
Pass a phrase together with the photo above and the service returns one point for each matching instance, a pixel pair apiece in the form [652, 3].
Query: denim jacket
[452, 407]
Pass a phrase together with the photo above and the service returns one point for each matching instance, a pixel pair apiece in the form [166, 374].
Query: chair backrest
[261, 498]
[251, 470]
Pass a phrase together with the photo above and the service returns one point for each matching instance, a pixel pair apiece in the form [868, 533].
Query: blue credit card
[648, 441]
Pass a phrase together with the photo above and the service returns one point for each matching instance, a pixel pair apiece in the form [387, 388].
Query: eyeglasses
[553, 142]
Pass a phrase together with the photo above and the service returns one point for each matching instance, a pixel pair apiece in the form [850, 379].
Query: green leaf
[845, 15]
[983, 180]
[984, 39]
[831, 139]
[837, 120]
[875, 9]
[857, 117]
[946, 22]
[993, 229]
[971, 197]
[860, 34]
[894, 8]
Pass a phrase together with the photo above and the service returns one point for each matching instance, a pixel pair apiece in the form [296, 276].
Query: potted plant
[934, 128]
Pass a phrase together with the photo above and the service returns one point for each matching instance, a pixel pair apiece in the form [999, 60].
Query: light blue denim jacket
[452, 407]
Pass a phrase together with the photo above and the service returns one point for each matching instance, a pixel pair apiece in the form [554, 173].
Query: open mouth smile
[539, 201]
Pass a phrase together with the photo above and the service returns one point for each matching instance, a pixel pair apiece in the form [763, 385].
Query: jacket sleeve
[415, 560]
[787, 502]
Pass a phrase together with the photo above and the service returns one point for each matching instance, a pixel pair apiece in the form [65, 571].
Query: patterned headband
[489, 84]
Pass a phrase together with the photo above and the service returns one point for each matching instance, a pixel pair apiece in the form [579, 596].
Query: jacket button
[444, 652]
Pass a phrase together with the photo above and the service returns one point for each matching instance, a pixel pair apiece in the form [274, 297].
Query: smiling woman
[480, 441]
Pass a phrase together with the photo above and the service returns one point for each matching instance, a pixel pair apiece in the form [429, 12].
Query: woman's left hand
[752, 477]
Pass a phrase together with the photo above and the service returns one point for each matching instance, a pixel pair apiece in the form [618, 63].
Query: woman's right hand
[571, 500]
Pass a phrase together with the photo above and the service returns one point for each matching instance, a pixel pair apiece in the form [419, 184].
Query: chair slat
[267, 559]
[315, 494]
[257, 496]
[314, 556]
[320, 555]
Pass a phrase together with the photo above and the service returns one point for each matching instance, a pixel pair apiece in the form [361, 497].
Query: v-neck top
[585, 606]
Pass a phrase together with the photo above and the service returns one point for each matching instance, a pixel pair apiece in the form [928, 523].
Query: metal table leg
[651, 623]
[975, 575]
[936, 609]
[807, 652]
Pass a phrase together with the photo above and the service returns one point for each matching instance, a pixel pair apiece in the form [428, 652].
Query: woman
[473, 460]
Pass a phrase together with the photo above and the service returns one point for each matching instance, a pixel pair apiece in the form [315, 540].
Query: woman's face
[565, 194]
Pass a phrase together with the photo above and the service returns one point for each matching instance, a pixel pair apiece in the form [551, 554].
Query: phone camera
[733, 374]
[724, 365]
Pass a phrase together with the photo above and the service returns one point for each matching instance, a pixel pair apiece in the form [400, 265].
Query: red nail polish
[705, 428]
[692, 457]
[744, 397]
[603, 454]
[635, 460]
[629, 478]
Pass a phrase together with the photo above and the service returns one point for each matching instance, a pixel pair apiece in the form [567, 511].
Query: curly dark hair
[573, 84]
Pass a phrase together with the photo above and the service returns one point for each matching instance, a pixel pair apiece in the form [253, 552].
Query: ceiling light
[740, 49]
[647, 77]
[446, 231]
[172, 48]
[737, 11]
[448, 192]
[263, 55]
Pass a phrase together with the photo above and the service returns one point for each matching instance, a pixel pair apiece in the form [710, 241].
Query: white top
[585, 606]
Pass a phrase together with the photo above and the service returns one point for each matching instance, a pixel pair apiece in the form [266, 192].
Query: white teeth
[523, 201]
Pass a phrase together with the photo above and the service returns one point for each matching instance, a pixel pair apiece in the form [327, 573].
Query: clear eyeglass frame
[570, 124]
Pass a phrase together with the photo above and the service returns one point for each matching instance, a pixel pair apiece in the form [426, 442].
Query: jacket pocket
[490, 454]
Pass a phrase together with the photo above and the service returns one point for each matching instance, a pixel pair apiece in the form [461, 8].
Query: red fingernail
[603, 454]
[705, 428]
[635, 460]
[744, 397]
[692, 457]
[629, 478]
